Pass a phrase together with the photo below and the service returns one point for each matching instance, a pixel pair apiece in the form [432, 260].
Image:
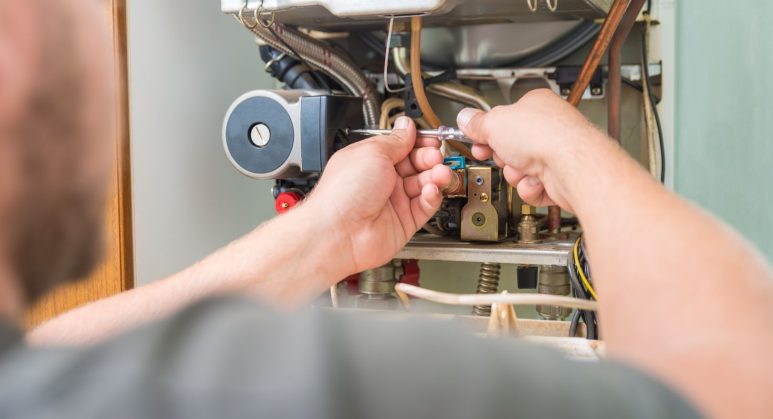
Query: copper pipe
[417, 81]
[615, 84]
[554, 218]
[608, 30]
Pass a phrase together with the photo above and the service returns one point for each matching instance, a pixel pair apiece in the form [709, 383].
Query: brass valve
[528, 227]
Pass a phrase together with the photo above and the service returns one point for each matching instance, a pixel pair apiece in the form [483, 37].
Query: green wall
[724, 112]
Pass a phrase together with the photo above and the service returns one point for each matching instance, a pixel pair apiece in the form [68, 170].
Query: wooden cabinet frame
[116, 272]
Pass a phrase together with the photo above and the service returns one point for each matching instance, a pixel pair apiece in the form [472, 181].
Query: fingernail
[534, 181]
[402, 122]
[465, 115]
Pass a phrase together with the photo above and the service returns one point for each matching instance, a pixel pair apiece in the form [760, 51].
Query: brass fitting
[457, 187]
[528, 227]
[553, 280]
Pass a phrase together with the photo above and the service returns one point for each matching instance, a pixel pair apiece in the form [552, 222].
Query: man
[679, 292]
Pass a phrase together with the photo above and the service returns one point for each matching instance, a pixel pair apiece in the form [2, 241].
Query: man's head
[56, 135]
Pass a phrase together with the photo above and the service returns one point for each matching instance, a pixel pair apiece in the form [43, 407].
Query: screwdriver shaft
[442, 133]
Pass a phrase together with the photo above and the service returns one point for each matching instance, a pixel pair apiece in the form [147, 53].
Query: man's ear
[19, 56]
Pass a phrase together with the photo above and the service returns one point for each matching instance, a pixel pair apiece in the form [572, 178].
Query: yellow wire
[580, 271]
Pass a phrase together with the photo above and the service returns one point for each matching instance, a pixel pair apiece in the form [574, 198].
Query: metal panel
[428, 247]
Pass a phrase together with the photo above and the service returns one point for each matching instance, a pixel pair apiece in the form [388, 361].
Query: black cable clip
[412, 109]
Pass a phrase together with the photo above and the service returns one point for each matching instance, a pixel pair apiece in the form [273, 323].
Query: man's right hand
[526, 139]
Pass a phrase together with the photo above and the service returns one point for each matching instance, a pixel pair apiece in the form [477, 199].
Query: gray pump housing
[285, 134]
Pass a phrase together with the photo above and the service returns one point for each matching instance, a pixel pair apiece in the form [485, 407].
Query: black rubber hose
[291, 72]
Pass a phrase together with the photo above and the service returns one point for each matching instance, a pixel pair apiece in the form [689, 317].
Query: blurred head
[55, 140]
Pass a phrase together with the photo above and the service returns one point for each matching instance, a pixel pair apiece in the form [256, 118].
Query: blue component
[455, 162]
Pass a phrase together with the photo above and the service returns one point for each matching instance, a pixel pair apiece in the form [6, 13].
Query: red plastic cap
[286, 201]
[412, 273]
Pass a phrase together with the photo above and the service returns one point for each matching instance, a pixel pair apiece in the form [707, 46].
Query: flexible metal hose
[488, 283]
[321, 56]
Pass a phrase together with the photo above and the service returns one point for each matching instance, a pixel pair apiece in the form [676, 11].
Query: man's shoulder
[228, 357]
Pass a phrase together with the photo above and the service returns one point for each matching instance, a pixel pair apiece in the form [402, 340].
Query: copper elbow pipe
[416, 77]
[417, 81]
[608, 30]
[615, 84]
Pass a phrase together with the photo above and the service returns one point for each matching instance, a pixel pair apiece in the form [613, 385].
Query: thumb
[471, 122]
[400, 142]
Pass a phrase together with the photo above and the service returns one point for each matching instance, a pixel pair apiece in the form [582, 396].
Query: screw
[479, 180]
[566, 92]
[484, 197]
[260, 134]
[478, 219]
[595, 91]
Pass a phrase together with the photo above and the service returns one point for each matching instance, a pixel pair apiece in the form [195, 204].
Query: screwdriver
[441, 133]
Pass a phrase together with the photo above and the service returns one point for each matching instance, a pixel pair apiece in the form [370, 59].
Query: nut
[527, 209]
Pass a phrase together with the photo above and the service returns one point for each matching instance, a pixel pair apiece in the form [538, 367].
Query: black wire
[633, 84]
[578, 289]
[648, 80]
[323, 84]
[587, 317]
[574, 323]
[638, 87]
[591, 325]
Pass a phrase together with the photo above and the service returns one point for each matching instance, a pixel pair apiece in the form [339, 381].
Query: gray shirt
[228, 358]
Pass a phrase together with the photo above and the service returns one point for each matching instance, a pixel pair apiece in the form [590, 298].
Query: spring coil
[488, 283]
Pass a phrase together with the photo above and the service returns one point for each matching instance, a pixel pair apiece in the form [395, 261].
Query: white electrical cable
[404, 290]
[334, 296]
[386, 58]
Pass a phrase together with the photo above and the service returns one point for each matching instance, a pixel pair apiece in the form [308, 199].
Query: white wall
[187, 63]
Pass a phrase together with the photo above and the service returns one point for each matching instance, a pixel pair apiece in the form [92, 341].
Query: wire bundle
[582, 288]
